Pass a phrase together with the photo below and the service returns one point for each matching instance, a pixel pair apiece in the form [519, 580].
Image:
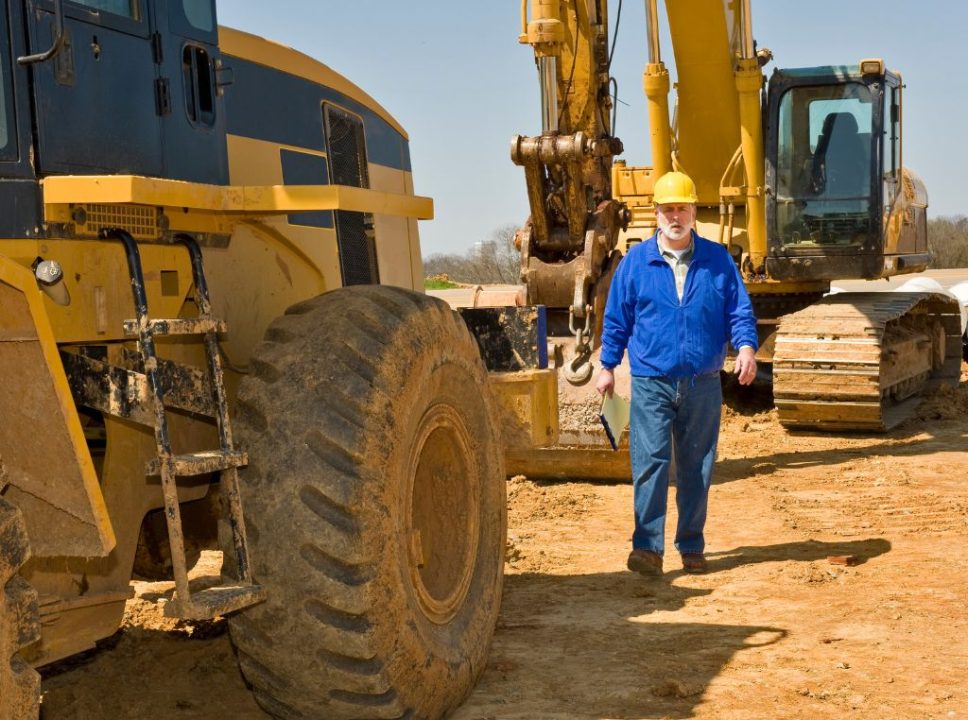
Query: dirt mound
[945, 403]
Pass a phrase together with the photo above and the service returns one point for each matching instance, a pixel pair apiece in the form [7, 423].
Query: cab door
[96, 101]
[192, 78]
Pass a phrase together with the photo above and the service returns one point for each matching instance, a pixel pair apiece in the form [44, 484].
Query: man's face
[676, 221]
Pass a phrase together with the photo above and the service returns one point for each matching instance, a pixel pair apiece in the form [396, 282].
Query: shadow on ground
[860, 551]
[152, 675]
[599, 645]
[602, 645]
[730, 469]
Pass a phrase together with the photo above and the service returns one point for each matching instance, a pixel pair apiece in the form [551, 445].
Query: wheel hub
[444, 513]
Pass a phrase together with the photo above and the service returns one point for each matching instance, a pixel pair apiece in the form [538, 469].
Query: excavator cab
[834, 175]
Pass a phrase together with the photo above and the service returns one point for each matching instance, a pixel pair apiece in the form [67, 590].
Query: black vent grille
[346, 147]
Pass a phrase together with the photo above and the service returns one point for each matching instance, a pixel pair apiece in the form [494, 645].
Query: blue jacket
[669, 338]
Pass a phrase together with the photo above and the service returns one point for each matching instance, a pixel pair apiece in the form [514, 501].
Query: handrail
[59, 38]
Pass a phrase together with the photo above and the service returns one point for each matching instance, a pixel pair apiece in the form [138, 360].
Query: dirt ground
[774, 630]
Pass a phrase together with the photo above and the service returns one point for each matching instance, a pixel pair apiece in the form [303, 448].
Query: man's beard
[674, 232]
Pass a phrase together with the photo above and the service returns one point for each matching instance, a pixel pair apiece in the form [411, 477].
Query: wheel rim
[444, 513]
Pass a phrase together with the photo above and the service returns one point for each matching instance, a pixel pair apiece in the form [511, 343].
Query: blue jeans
[666, 411]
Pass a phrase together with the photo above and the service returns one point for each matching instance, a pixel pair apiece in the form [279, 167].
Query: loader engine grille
[346, 148]
[140, 221]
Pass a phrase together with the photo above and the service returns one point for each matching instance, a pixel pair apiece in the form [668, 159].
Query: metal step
[216, 602]
[176, 326]
[199, 463]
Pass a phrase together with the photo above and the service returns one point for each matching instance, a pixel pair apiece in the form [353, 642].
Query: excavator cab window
[823, 166]
[891, 147]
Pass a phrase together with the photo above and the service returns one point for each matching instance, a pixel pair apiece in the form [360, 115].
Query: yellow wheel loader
[213, 335]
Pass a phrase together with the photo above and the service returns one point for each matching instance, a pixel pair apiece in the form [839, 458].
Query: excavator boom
[568, 241]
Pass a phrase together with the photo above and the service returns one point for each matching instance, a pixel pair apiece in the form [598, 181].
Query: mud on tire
[19, 621]
[375, 507]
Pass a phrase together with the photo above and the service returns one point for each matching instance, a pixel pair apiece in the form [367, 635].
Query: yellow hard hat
[674, 188]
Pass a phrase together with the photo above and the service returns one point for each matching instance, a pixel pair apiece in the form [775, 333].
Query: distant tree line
[494, 261]
[497, 261]
[948, 241]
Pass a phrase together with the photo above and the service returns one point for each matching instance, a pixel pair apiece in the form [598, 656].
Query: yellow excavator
[800, 177]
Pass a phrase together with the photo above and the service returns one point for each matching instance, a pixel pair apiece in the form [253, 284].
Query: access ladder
[226, 459]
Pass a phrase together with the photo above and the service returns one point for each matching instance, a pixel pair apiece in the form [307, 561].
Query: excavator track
[862, 361]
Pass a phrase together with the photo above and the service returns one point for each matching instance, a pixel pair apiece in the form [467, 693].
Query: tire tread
[19, 620]
[314, 416]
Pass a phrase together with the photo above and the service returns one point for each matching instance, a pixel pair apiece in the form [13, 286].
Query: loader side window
[199, 86]
[125, 8]
[346, 150]
[200, 14]
[824, 165]
[4, 120]
[193, 20]
[8, 129]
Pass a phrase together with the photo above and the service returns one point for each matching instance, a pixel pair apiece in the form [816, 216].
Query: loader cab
[19, 197]
[834, 174]
[133, 88]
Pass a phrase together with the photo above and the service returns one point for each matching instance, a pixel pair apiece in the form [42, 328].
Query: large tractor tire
[19, 621]
[375, 507]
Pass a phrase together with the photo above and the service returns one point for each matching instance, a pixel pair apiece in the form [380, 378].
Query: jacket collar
[654, 255]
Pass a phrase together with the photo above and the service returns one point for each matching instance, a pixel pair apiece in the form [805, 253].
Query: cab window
[194, 20]
[5, 120]
[8, 121]
[824, 165]
[8, 131]
[199, 14]
[891, 145]
[124, 8]
[199, 86]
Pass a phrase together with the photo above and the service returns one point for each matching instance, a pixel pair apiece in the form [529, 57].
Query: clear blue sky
[454, 75]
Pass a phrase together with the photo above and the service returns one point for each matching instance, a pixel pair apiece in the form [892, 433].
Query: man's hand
[745, 366]
[606, 382]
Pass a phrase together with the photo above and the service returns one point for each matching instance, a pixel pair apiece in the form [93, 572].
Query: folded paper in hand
[615, 417]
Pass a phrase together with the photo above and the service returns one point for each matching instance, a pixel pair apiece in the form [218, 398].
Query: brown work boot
[645, 562]
[694, 563]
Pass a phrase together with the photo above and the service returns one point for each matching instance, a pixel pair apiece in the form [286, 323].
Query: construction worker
[675, 302]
